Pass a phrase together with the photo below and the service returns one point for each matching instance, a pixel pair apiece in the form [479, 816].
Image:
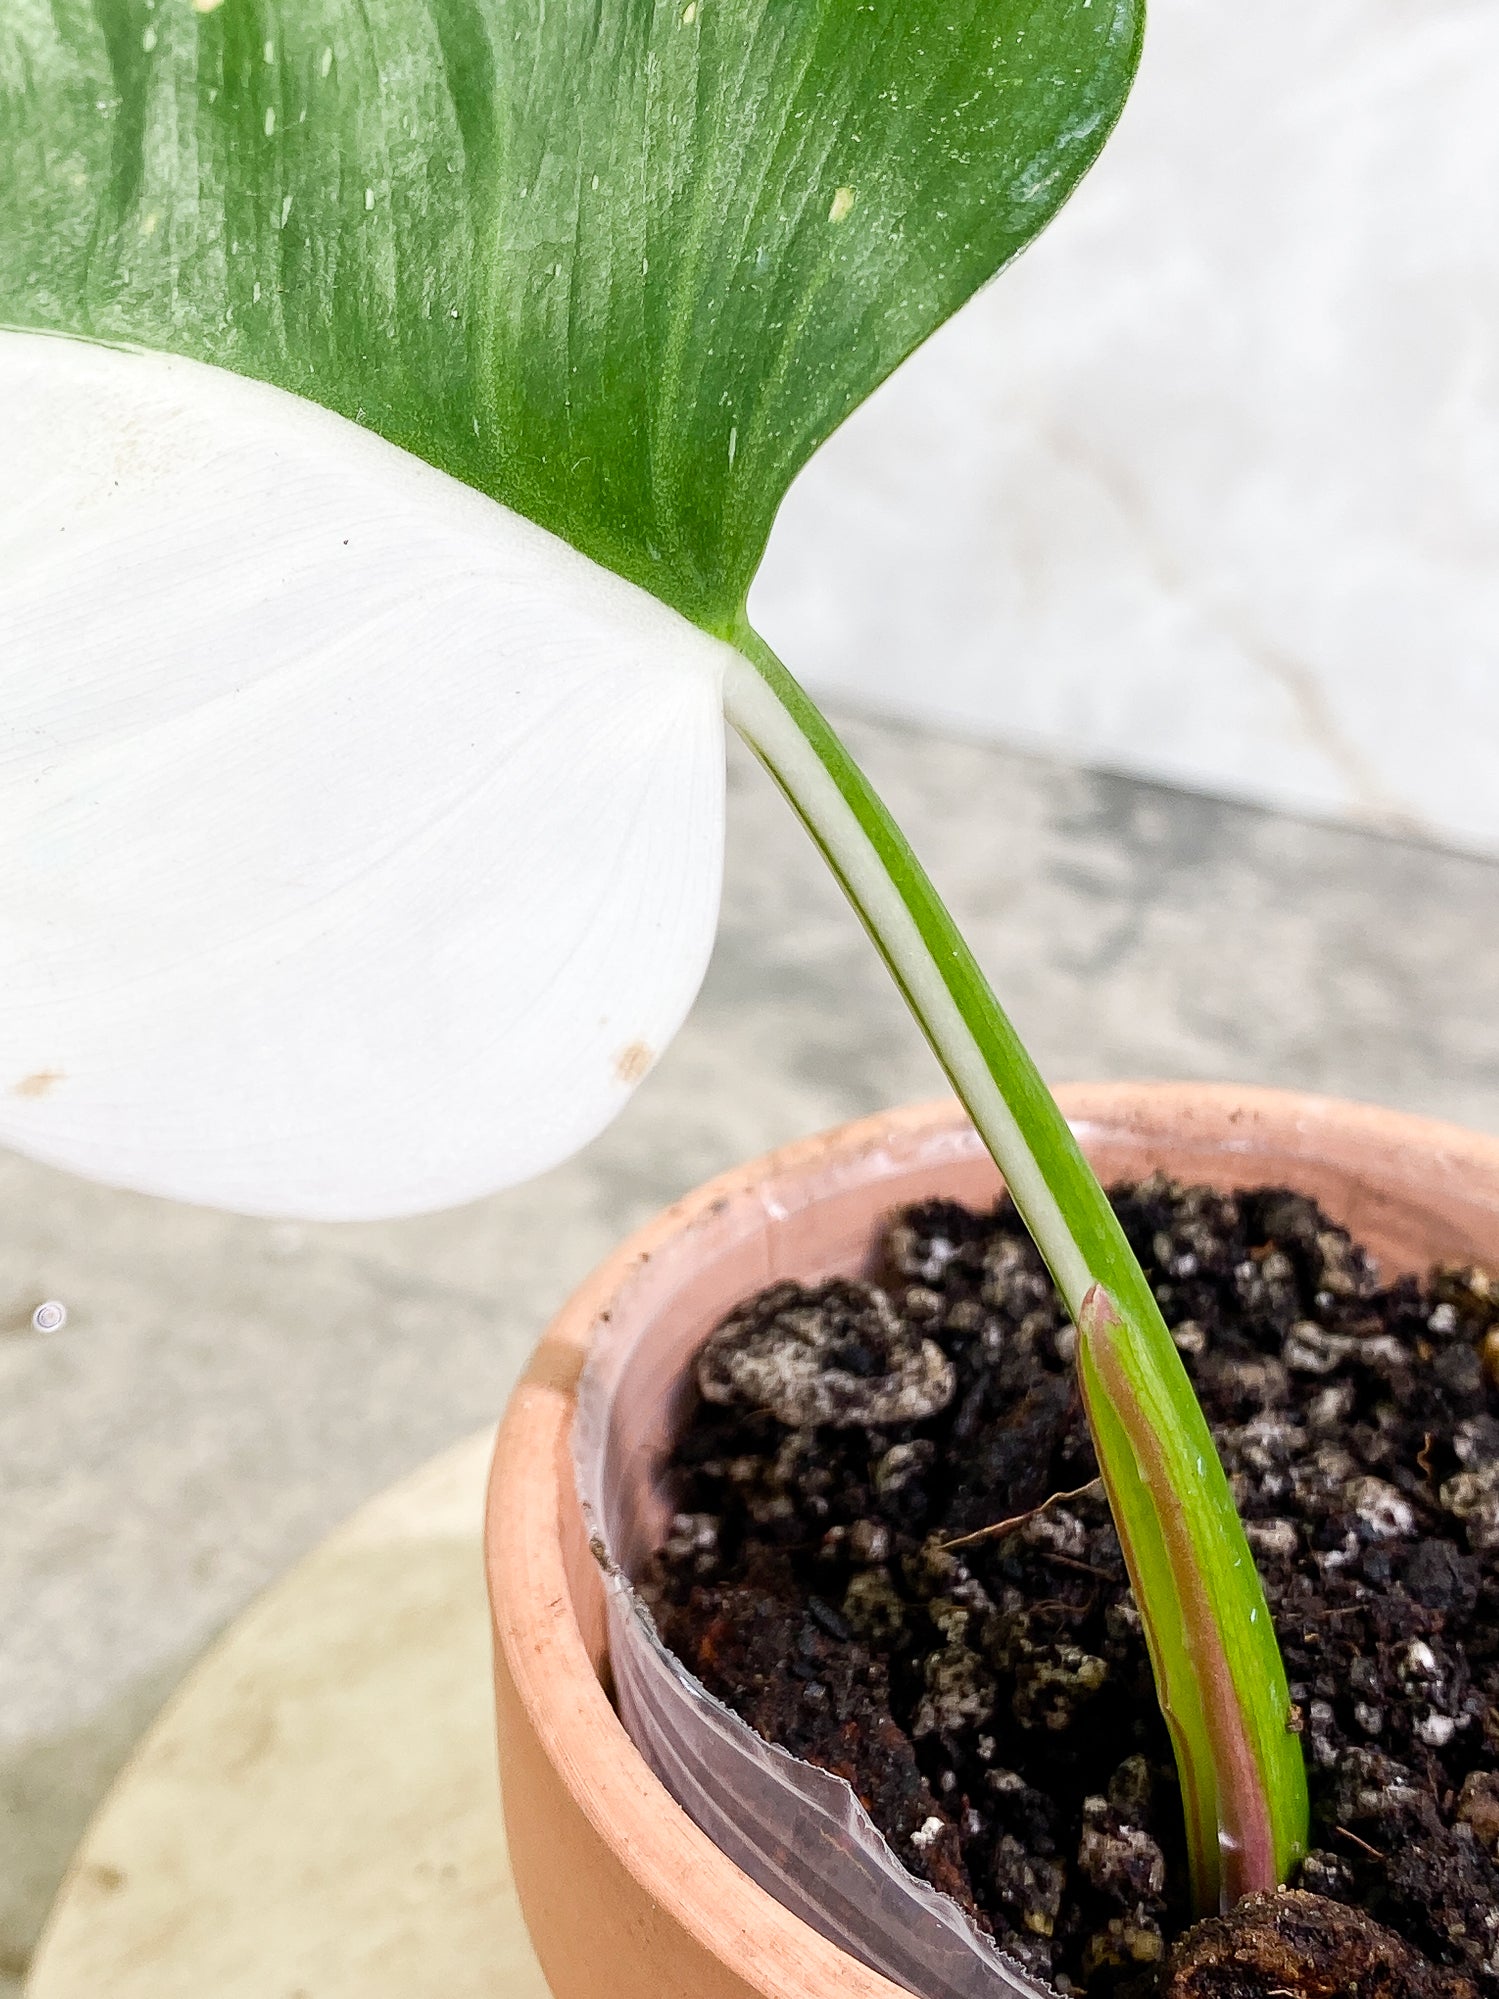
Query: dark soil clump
[992, 1703]
[1307, 1946]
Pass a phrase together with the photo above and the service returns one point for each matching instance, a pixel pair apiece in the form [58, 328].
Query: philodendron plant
[397, 398]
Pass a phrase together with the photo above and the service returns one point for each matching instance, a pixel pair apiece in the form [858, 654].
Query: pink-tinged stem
[1229, 1818]
[1079, 1236]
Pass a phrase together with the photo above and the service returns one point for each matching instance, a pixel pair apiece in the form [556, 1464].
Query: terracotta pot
[624, 1897]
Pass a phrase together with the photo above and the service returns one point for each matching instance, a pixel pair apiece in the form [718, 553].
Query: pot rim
[531, 1585]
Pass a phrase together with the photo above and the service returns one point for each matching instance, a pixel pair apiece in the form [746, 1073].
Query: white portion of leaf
[360, 843]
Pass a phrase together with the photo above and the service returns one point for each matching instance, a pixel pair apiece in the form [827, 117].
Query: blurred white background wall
[1206, 487]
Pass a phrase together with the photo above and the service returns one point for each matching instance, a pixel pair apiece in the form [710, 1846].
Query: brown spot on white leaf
[38, 1083]
[631, 1063]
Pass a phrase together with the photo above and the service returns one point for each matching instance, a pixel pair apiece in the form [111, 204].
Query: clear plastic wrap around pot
[797, 1831]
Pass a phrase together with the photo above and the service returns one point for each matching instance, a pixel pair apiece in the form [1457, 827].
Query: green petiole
[1218, 1670]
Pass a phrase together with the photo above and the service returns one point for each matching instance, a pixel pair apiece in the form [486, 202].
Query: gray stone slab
[225, 1391]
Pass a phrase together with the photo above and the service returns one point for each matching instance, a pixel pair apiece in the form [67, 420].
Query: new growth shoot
[1218, 1670]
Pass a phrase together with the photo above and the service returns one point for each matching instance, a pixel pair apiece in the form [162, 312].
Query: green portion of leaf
[1218, 1668]
[622, 265]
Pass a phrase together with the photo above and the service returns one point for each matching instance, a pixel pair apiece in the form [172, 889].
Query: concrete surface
[285, 1831]
[225, 1391]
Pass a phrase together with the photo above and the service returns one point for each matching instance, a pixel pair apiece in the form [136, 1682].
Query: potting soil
[991, 1703]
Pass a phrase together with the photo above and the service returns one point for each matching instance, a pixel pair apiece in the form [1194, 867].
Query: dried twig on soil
[992, 1533]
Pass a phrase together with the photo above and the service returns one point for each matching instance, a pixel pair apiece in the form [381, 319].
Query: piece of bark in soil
[1293, 1945]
